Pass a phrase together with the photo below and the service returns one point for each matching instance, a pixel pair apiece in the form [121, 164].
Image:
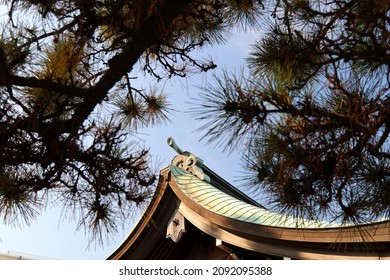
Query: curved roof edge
[233, 214]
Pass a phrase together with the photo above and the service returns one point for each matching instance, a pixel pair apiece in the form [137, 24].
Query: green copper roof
[215, 200]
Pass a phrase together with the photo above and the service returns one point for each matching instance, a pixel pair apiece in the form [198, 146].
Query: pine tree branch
[31, 82]
[149, 34]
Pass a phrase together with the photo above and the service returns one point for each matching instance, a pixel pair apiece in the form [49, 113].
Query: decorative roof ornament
[188, 161]
[176, 226]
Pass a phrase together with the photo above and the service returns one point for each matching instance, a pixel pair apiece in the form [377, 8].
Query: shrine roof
[217, 201]
[188, 192]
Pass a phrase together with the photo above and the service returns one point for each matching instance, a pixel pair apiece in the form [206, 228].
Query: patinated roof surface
[217, 201]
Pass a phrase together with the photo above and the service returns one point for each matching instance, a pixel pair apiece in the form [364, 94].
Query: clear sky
[48, 237]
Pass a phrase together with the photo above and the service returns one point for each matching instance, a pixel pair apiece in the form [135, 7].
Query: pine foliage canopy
[313, 115]
[64, 62]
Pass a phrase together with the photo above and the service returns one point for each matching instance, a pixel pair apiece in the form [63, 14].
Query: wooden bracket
[176, 226]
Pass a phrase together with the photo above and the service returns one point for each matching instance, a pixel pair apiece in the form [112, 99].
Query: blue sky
[49, 237]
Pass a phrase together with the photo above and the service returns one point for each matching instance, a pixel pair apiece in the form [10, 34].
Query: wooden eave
[146, 235]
